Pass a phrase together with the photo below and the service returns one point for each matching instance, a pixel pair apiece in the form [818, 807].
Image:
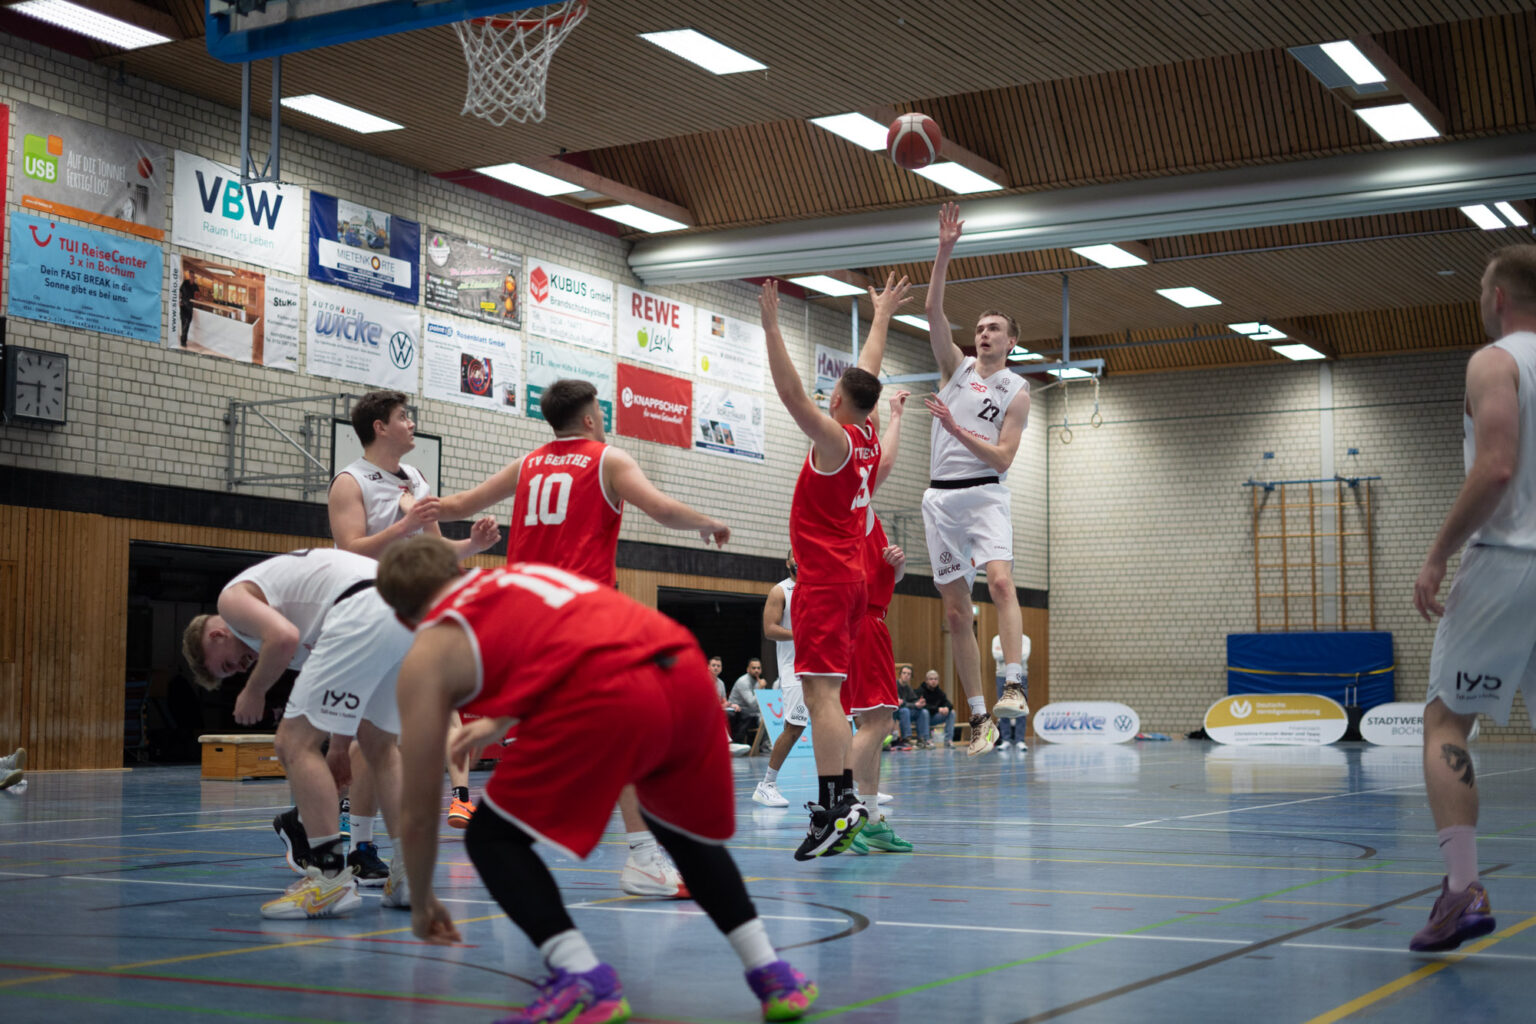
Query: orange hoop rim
[578, 10]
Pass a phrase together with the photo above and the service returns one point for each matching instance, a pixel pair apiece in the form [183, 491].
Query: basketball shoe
[14, 762]
[295, 840]
[315, 895]
[397, 891]
[785, 993]
[1455, 918]
[344, 820]
[833, 830]
[367, 866]
[767, 794]
[591, 997]
[983, 734]
[459, 812]
[878, 835]
[1012, 704]
[650, 872]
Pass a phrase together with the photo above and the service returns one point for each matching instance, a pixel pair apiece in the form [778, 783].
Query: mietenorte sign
[1086, 721]
[1293, 719]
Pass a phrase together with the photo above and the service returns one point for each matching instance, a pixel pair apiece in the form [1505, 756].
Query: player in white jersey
[373, 502]
[978, 418]
[1485, 646]
[317, 611]
[776, 627]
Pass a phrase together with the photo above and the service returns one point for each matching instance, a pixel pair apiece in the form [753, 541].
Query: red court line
[1111, 908]
[1286, 917]
[1015, 904]
[339, 938]
[937, 899]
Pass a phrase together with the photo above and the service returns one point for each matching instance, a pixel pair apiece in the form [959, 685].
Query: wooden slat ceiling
[1059, 95]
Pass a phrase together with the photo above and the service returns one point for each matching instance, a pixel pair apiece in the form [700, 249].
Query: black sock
[845, 784]
[519, 881]
[328, 857]
[461, 793]
[827, 790]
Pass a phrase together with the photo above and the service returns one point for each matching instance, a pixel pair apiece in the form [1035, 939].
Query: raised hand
[899, 403]
[888, 301]
[768, 302]
[949, 225]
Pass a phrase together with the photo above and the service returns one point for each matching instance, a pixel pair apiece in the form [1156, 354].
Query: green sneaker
[886, 744]
[878, 835]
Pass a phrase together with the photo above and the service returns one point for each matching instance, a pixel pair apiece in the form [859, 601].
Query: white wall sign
[728, 423]
[1398, 724]
[472, 364]
[255, 223]
[548, 363]
[1086, 721]
[830, 364]
[1297, 719]
[358, 338]
[567, 305]
[729, 351]
[655, 329]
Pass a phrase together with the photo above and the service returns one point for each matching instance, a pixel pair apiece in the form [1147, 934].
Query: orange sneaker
[459, 812]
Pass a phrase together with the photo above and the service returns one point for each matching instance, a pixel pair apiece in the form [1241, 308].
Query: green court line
[170, 1007]
[983, 971]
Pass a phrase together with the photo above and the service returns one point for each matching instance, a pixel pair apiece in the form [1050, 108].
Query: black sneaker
[366, 864]
[295, 840]
[831, 831]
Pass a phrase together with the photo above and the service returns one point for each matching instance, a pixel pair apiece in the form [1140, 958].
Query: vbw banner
[255, 223]
[365, 249]
[72, 275]
[363, 340]
[1086, 721]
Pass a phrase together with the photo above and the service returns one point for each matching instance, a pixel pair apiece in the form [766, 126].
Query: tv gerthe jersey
[302, 586]
[537, 628]
[978, 405]
[879, 575]
[830, 511]
[561, 514]
[382, 490]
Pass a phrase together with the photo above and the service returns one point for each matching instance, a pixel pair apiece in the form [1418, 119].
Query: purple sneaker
[784, 992]
[591, 997]
[1456, 917]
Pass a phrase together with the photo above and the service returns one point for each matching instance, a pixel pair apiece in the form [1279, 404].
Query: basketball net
[509, 57]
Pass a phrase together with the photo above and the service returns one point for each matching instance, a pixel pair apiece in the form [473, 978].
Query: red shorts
[825, 618]
[561, 778]
[873, 682]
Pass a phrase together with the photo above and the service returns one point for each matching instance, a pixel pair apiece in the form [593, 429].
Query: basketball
[146, 168]
[914, 141]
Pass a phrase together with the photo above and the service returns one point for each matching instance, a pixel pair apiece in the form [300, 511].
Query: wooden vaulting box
[235, 757]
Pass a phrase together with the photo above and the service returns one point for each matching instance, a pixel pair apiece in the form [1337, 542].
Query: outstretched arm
[826, 434]
[886, 304]
[945, 350]
[1000, 455]
[628, 482]
[492, 491]
[890, 441]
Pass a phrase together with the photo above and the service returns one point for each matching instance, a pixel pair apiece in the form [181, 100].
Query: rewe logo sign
[1086, 721]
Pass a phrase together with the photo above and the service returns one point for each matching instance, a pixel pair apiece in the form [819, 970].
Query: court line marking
[679, 912]
[1048, 931]
[1398, 951]
[1376, 995]
[136, 817]
[205, 1010]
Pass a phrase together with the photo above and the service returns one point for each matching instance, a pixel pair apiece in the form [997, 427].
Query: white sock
[978, 705]
[1013, 672]
[362, 830]
[771, 776]
[640, 840]
[750, 941]
[568, 951]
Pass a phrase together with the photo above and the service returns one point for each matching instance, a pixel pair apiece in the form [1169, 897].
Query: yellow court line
[32, 979]
[1393, 987]
[995, 888]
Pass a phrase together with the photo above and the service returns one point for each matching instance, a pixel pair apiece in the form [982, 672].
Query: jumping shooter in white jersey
[979, 414]
[1485, 647]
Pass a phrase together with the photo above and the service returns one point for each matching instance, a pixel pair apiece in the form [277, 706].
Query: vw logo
[402, 350]
[1122, 723]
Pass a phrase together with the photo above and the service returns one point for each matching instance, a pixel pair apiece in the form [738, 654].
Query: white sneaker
[1021, 746]
[1012, 703]
[14, 761]
[314, 895]
[740, 749]
[768, 795]
[650, 872]
[397, 891]
[883, 798]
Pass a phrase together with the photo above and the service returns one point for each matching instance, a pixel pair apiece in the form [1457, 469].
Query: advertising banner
[771, 703]
[361, 339]
[549, 363]
[471, 364]
[365, 249]
[233, 312]
[76, 276]
[728, 351]
[1086, 721]
[1398, 724]
[830, 364]
[473, 280]
[567, 305]
[5, 139]
[654, 406]
[655, 330]
[71, 168]
[728, 423]
[1294, 719]
[252, 223]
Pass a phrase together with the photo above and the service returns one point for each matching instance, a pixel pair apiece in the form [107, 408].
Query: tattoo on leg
[1459, 761]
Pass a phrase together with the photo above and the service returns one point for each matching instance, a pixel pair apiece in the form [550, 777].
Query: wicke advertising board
[361, 339]
[1086, 721]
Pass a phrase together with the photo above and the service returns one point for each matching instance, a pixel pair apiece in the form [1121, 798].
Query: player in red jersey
[519, 644]
[829, 516]
[568, 500]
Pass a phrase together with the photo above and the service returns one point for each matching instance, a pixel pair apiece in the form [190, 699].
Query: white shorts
[795, 712]
[351, 673]
[967, 527]
[1485, 643]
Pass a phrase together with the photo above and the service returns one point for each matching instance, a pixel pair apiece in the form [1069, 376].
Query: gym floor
[1143, 882]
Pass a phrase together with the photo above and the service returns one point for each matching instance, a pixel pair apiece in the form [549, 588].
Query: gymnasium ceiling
[1055, 95]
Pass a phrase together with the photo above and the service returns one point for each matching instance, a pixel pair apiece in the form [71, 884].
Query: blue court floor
[1155, 882]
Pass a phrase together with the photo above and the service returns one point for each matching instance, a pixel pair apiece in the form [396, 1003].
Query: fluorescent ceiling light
[1070, 373]
[707, 53]
[828, 285]
[1111, 256]
[90, 23]
[856, 128]
[1353, 63]
[1511, 214]
[1020, 352]
[1188, 297]
[1399, 122]
[956, 178]
[339, 113]
[1483, 217]
[530, 179]
[911, 321]
[1258, 331]
[635, 217]
[1299, 352]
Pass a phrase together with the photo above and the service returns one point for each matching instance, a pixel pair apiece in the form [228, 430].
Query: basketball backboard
[240, 31]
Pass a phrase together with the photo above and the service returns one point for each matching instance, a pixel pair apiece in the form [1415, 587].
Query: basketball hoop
[508, 59]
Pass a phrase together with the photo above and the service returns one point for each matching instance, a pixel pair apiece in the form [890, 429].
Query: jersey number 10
[548, 498]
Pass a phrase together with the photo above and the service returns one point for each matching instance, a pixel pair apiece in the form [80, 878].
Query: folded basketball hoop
[509, 57]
